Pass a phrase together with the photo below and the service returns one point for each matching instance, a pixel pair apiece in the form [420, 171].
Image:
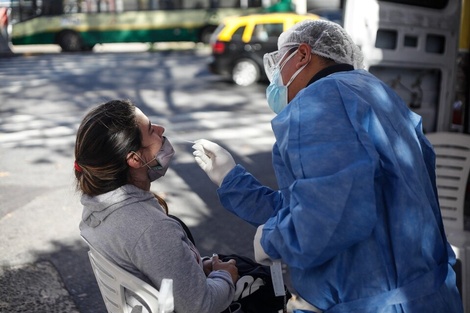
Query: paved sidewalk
[37, 287]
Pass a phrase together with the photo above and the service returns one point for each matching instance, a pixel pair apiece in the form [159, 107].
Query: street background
[44, 265]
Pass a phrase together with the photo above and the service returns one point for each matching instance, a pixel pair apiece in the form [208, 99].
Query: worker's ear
[305, 55]
[133, 160]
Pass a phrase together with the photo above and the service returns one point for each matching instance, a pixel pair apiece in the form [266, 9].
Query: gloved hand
[260, 256]
[213, 159]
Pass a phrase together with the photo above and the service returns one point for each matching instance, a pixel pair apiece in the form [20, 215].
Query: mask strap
[146, 164]
[286, 60]
[297, 73]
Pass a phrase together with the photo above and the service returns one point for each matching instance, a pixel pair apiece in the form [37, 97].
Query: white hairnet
[327, 39]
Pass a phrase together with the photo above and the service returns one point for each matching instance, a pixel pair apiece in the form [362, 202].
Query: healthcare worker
[356, 217]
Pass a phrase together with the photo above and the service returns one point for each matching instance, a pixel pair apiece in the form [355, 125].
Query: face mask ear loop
[286, 60]
[283, 64]
[147, 164]
[141, 160]
[297, 73]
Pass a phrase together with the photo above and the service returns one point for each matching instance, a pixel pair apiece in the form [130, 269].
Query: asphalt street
[44, 265]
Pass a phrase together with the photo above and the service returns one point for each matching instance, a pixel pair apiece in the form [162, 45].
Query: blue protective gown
[356, 216]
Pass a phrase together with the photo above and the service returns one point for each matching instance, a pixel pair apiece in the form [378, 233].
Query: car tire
[245, 72]
[70, 41]
[88, 48]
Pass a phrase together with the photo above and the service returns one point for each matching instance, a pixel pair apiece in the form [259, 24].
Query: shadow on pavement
[61, 281]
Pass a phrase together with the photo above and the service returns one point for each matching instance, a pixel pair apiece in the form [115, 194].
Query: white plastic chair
[116, 285]
[452, 170]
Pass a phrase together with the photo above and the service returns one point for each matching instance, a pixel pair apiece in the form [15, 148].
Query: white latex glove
[260, 256]
[213, 159]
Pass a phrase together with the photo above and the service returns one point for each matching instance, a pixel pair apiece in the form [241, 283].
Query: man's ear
[133, 160]
[305, 53]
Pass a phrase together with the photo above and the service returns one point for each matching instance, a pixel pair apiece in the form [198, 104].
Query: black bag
[254, 290]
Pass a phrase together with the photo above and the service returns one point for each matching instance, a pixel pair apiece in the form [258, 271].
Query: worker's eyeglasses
[271, 60]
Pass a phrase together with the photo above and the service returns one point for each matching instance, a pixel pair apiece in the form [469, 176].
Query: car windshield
[264, 31]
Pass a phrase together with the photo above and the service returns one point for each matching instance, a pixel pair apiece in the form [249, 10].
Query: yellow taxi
[239, 44]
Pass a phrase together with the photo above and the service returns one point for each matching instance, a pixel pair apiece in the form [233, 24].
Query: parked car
[239, 44]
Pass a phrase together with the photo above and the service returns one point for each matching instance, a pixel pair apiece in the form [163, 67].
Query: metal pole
[301, 6]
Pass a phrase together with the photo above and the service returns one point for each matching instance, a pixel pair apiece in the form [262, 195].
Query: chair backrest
[452, 170]
[113, 282]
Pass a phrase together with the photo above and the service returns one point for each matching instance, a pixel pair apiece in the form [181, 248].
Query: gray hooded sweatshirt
[128, 226]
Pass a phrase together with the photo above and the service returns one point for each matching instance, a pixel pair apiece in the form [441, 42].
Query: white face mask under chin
[277, 92]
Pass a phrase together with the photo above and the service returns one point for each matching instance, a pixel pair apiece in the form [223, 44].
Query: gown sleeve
[243, 195]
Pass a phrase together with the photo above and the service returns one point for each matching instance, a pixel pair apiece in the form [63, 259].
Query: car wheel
[245, 72]
[88, 48]
[69, 41]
